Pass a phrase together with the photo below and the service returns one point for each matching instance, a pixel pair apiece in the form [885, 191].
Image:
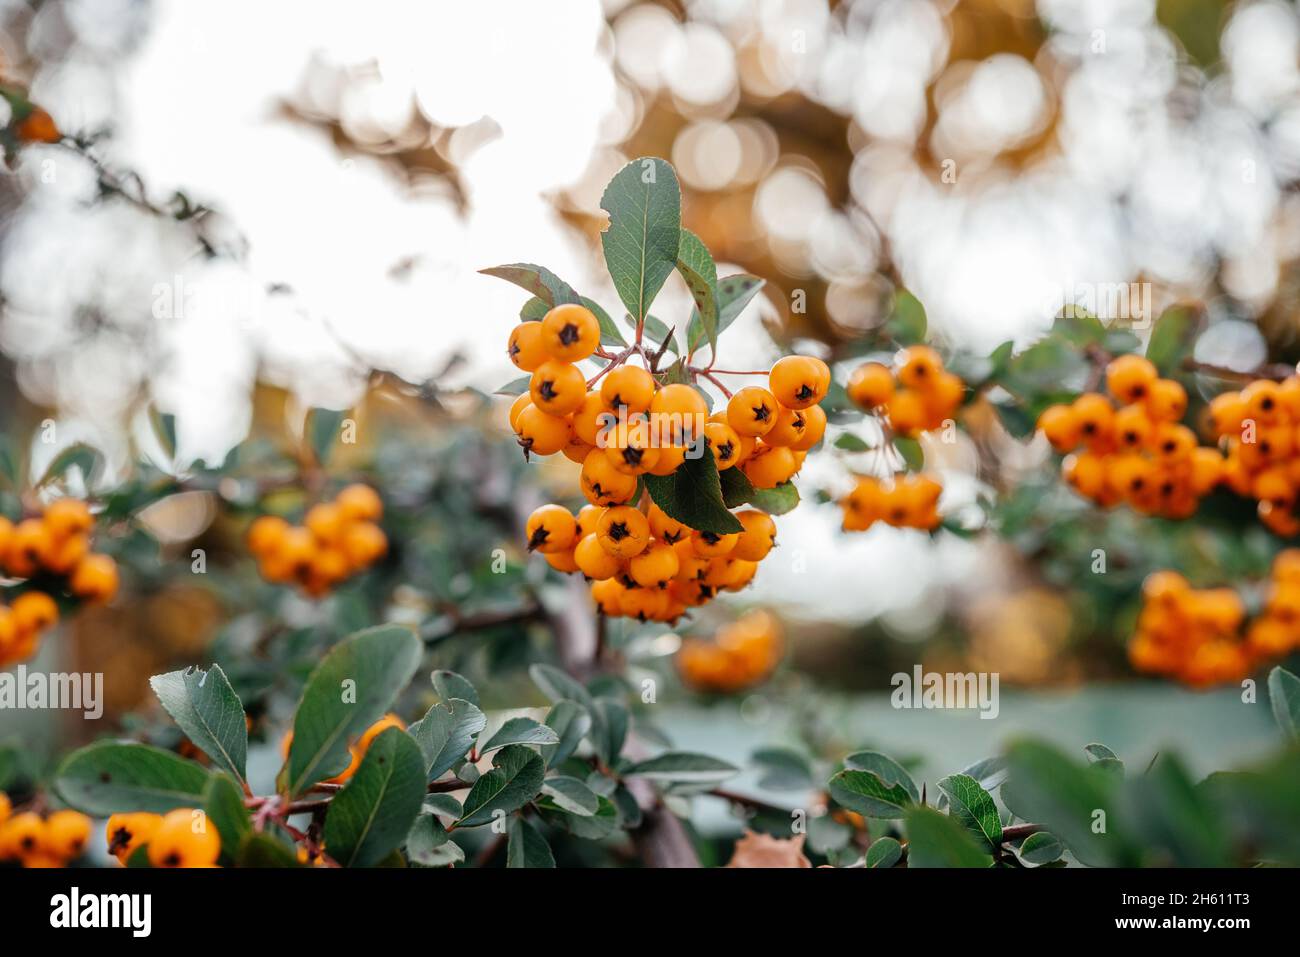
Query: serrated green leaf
[350, 690]
[520, 731]
[538, 280]
[734, 294]
[450, 685]
[884, 767]
[425, 842]
[571, 795]
[514, 780]
[644, 204]
[1041, 847]
[866, 793]
[936, 840]
[445, 734]
[697, 267]
[571, 723]
[209, 712]
[972, 807]
[374, 811]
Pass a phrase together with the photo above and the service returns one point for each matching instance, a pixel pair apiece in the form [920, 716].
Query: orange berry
[594, 561]
[664, 527]
[68, 516]
[871, 385]
[66, 552]
[631, 448]
[542, 434]
[570, 332]
[628, 387]
[1166, 400]
[789, 427]
[326, 521]
[265, 534]
[918, 367]
[184, 838]
[678, 413]
[1086, 473]
[550, 528]
[907, 412]
[623, 531]
[1207, 470]
[66, 834]
[758, 537]
[1129, 378]
[1225, 414]
[522, 401]
[1273, 486]
[29, 546]
[1060, 425]
[1173, 443]
[563, 562]
[723, 441]
[713, 545]
[1165, 588]
[22, 836]
[1263, 401]
[592, 418]
[526, 348]
[602, 484]
[360, 503]
[670, 459]
[38, 127]
[769, 466]
[752, 411]
[798, 382]
[814, 429]
[126, 833]
[1096, 417]
[655, 567]
[944, 395]
[34, 612]
[95, 578]
[577, 450]
[364, 543]
[557, 388]
[1132, 427]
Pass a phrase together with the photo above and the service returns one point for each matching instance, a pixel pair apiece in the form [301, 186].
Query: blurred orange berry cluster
[741, 655]
[1134, 449]
[52, 551]
[356, 751]
[905, 501]
[1197, 635]
[337, 539]
[36, 841]
[1260, 428]
[646, 564]
[917, 395]
[180, 838]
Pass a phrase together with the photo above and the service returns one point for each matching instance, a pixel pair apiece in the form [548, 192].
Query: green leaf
[1100, 756]
[520, 731]
[734, 294]
[443, 804]
[851, 443]
[683, 767]
[209, 712]
[223, 803]
[1171, 338]
[609, 728]
[571, 795]
[107, 778]
[1079, 327]
[884, 767]
[571, 723]
[736, 488]
[450, 685]
[701, 274]
[558, 686]
[783, 770]
[425, 842]
[538, 280]
[445, 734]
[910, 450]
[884, 852]
[595, 827]
[1284, 696]
[260, 849]
[1041, 847]
[164, 428]
[693, 494]
[907, 324]
[534, 310]
[375, 810]
[350, 690]
[609, 334]
[525, 846]
[10, 472]
[936, 840]
[972, 807]
[775, 501]
[866, 793]
[514, 780]
[644, 203]
[322, 431]
[515, 386]
[89, 461]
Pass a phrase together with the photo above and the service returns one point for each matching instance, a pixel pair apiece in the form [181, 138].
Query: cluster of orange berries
[1138, 452]
[1260, 428]
[632, 425]
[337, 539]
[1197, 636]
[742, 654]
[647, 565]
[918, 395]
[37, 841]
[180, 838]
[909, 500]
[356, 751]
[55, 544]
